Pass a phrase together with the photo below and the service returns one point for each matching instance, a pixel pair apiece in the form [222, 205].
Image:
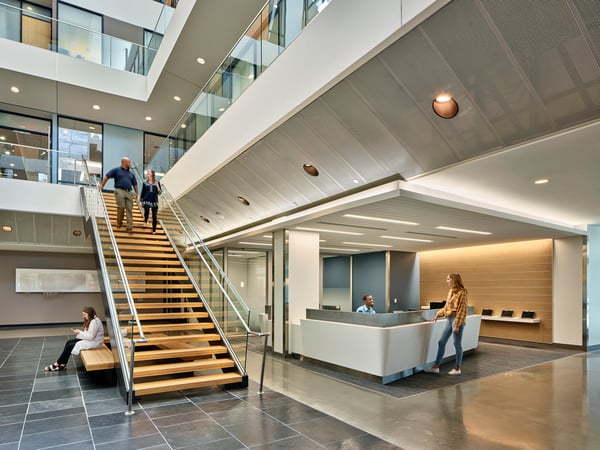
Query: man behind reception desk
[367, 306]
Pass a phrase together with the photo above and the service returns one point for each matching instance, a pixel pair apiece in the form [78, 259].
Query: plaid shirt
[456, 306]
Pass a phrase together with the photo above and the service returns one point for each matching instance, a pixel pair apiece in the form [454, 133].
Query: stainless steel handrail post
[264, 361]
[130, 411]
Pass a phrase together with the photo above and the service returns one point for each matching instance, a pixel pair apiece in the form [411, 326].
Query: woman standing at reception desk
[455, 312]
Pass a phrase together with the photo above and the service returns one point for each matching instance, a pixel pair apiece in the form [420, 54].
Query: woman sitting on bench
[92, 336]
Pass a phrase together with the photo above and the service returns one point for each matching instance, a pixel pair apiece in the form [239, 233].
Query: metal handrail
[92, 184]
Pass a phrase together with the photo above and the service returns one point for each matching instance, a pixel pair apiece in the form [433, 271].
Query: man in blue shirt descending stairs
[124, 182]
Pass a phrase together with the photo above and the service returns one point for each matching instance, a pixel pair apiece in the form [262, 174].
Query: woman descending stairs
[184, 349]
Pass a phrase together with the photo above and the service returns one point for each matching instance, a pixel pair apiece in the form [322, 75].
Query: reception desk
[387, 346]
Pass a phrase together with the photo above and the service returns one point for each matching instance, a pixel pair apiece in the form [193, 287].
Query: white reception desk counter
[389, 352]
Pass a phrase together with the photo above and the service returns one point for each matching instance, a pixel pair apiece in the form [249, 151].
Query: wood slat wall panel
[515, 276]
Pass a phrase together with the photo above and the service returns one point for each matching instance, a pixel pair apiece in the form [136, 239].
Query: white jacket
[93, 337]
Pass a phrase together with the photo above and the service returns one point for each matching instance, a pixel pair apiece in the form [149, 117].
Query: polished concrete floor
[548, 405]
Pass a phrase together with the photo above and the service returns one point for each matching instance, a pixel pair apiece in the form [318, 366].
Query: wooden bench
[98, 358]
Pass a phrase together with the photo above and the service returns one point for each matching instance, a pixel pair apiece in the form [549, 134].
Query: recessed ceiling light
[355, 181]
[311, 170]
[254, 243]
[462, 230]
[340, 249]
[322, 230]
[92, 128]
[200, 60]
[76, 233]
[445, 106]
[406, 239]
[205, 219]
[221, 109]
[2, 138]
[177, 98]
[541, 181]
[6, 228]
[381, 219]
[15, 89]
[367, 245]
[183, 125]
[96, 107]
[148, 118]
[12, 165]
[243, 201]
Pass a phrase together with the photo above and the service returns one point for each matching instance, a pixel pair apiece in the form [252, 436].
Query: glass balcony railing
[273, 29]
[41, 30]
[24, 162]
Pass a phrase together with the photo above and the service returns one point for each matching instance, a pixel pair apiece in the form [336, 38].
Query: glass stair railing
[222, 301]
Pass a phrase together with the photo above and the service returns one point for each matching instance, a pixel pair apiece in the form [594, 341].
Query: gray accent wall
[404, 281]
[369, 277]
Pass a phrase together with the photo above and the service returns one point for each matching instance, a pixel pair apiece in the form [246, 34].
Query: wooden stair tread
[134, 276]
[177, 326]
[167, 316]
[97, 358]
[163, 286]
[186, 352]
[153, 269]
[192, 294]
[177, 384]
[162, 305]
[186, 366]
[159, 340]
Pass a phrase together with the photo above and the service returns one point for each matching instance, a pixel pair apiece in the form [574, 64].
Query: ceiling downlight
[445, 106]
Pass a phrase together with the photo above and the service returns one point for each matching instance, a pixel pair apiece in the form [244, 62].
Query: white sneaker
[432, 370]
[454, 372]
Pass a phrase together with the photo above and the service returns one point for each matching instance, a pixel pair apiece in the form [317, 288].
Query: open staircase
[184, 349]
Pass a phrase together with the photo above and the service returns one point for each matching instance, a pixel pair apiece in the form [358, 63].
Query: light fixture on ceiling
[148, 118]
[381, 219]
[462, 230]
[311, 170]
[355, 181]
[205, 219]
[243, 201]
[12, 165]
[254, 243]
[221, 109]
[76, 233]
[6, 228]
[2, 138]
[367, 245]
[96, 107]
[541, 181]
[340, 249]
[184, 126]
[177, 98]
[92, 128]
[15, 89]
[322, 230]
[406, 239]
[200, 61]
[445, 106]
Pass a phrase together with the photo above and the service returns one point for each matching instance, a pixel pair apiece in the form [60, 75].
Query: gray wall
[120, 142]
[404, 281]
[369, 277]
[36, 308]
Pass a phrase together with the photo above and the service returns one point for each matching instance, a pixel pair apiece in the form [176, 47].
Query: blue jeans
[457, 342]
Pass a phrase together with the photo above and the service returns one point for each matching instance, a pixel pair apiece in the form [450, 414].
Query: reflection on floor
[544, 405]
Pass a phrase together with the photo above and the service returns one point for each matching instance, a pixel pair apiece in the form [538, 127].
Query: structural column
[295, 285]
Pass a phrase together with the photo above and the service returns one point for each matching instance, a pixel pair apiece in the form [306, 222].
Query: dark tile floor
[74, 409]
